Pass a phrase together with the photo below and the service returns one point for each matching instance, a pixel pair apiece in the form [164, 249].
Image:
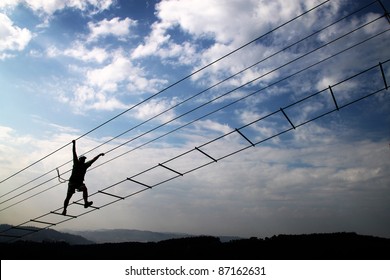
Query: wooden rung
[207, 155]
[42, 222]
[78, 203]
[60, 214]
[246, 138]
[142, 184]
[383, 76]
[293, 126]
[170, 169]
[110, 194]
[334, 98]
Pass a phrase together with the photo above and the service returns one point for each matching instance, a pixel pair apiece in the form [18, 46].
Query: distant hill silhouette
[47, 235]
[98, 236]
[131, 235]
[334, 246]
[124, 235]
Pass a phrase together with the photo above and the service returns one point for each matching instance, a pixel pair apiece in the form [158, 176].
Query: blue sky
[66, 67]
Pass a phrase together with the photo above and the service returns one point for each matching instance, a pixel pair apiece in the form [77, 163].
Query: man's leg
[66, 202]
[85, 196]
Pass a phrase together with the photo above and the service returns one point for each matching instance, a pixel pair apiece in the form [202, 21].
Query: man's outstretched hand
[102, 154]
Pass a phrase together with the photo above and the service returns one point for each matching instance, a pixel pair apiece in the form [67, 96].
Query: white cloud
[48, 7]
[5, 132]
[139, 83]
[10, 149]
[210, 19]
[155, 107]
[12, 38]
[8, 3]
[102, 102]
[83, 95]
[4, 56]
[213, 19]
[115, 27]
[209, 125]
[185, 53]
[121, 70]
[264, 128]
[53, 126]
[97, 5]
[52, 51]
[152, 42]
[87, 98]
[108, 77]
[79, 51]
[106, 88]
[109, 86]
[357, 175]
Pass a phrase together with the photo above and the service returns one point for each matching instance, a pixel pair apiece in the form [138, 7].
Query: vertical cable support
[137, 182]
[246, 138]
[170, 169]
[56, 213]
[383, 75]
[207, 155]
[293, 126]
[42, 222]
[82, 204]
[334, 98]
[110, 194]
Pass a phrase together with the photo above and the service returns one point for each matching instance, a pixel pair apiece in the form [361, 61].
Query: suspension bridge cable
[266, 116]
[168, 87]
[168, 109]
[195, 95]
[273, 113]
[67, 218]
[200, 93]
[137, 192]
[221, 108]
[230, 77]
[241, 86]
[172, 108]
[240, 99]
[353, 46]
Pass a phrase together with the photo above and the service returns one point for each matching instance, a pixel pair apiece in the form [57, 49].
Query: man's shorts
[72, 187]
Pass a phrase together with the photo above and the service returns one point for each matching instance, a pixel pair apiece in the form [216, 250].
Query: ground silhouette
[334, 246]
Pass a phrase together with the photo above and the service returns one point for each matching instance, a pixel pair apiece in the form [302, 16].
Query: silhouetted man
[76, 180]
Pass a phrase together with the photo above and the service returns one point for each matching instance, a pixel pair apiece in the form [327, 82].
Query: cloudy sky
[148, 81]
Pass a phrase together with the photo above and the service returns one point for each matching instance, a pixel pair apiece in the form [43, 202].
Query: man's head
[82, 159]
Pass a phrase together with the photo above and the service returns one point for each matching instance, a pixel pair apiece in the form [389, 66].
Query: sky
[145, 82]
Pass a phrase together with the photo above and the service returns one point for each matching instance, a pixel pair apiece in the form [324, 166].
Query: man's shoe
[86, 205]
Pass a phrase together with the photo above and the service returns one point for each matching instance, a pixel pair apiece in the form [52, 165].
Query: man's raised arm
[75, 159]
[95, 158]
